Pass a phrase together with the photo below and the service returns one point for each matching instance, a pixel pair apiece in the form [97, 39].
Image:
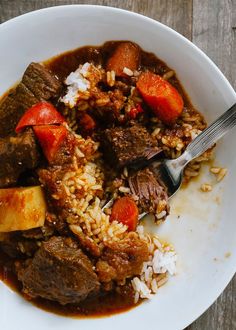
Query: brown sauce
[107, 304]
[103, 305]
[69, 61]
[100, 306]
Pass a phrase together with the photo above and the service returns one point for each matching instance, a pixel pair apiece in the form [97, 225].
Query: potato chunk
[21, 208]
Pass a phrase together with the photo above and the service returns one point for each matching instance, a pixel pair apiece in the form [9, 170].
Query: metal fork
[170, 171]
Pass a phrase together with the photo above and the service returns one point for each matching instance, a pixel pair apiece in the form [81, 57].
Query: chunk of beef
[38, 84]
[39, 233]
[18, 249]
[65, 152]
[12, 107]
[41, 82]
[25, 98]
[17, 154]
[59, 271]
[51, 179]
[16, 246]
[57, 199]
[59, 203]
[110, 112]
[123, 259]
[128, 146]
[146, 186]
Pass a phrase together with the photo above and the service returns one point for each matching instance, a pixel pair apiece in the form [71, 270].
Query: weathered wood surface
[211, 25]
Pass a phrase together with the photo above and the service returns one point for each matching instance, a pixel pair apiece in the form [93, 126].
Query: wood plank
[213, 32]
[222, 314]
[213, 22]
[174, 13]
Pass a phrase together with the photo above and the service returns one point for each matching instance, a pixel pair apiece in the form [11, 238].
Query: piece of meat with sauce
[109, 113]
[61, 206]
[41, 82]
[66, 151]
[16, 246]
[17, 154]
[128, 146]
[59, 271]
[149, 191]
[57, 199]
[123, 259]
[38, 84]
[12, 107]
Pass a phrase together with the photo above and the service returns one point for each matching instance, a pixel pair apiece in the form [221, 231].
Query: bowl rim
[17, 19]
[14, 21]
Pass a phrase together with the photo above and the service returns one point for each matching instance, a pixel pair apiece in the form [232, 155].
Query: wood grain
[211, 24]
[176, 13]
[213, 32]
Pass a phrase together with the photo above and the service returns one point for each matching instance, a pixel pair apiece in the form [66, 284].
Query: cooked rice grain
[128, 72]
[222, 174]
[162, 261]
[168, 75]
[206, 187]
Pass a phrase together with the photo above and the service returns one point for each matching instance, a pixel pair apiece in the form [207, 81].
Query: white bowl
[205, 234]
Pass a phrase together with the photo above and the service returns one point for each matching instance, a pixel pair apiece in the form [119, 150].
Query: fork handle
[207, 138]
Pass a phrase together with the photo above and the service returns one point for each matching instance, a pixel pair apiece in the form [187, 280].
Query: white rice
[162, 262]
[141, 289]
[128, 72]
[76, 82]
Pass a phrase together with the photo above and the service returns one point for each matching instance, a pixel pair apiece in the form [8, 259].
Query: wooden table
[211, 25]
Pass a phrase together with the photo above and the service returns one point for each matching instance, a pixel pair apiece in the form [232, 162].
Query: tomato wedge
[43, 113]
[50, 138]
[87, 122]
[161, 96]
[134, 112]
[126, 211]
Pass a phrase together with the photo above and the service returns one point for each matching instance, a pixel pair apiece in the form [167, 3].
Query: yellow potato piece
[21, 208]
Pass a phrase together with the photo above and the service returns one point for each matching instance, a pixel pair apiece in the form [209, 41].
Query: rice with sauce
[86, 178]
[88, 216]
[82, 93]
[155, 272]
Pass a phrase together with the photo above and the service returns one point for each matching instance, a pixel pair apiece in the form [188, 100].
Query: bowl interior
[204, 235]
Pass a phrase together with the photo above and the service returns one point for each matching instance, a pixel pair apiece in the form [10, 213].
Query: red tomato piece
[42, 113]
[134, 112]
[161, 96]
[50, 138]
[126, 211]
[87, 122]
